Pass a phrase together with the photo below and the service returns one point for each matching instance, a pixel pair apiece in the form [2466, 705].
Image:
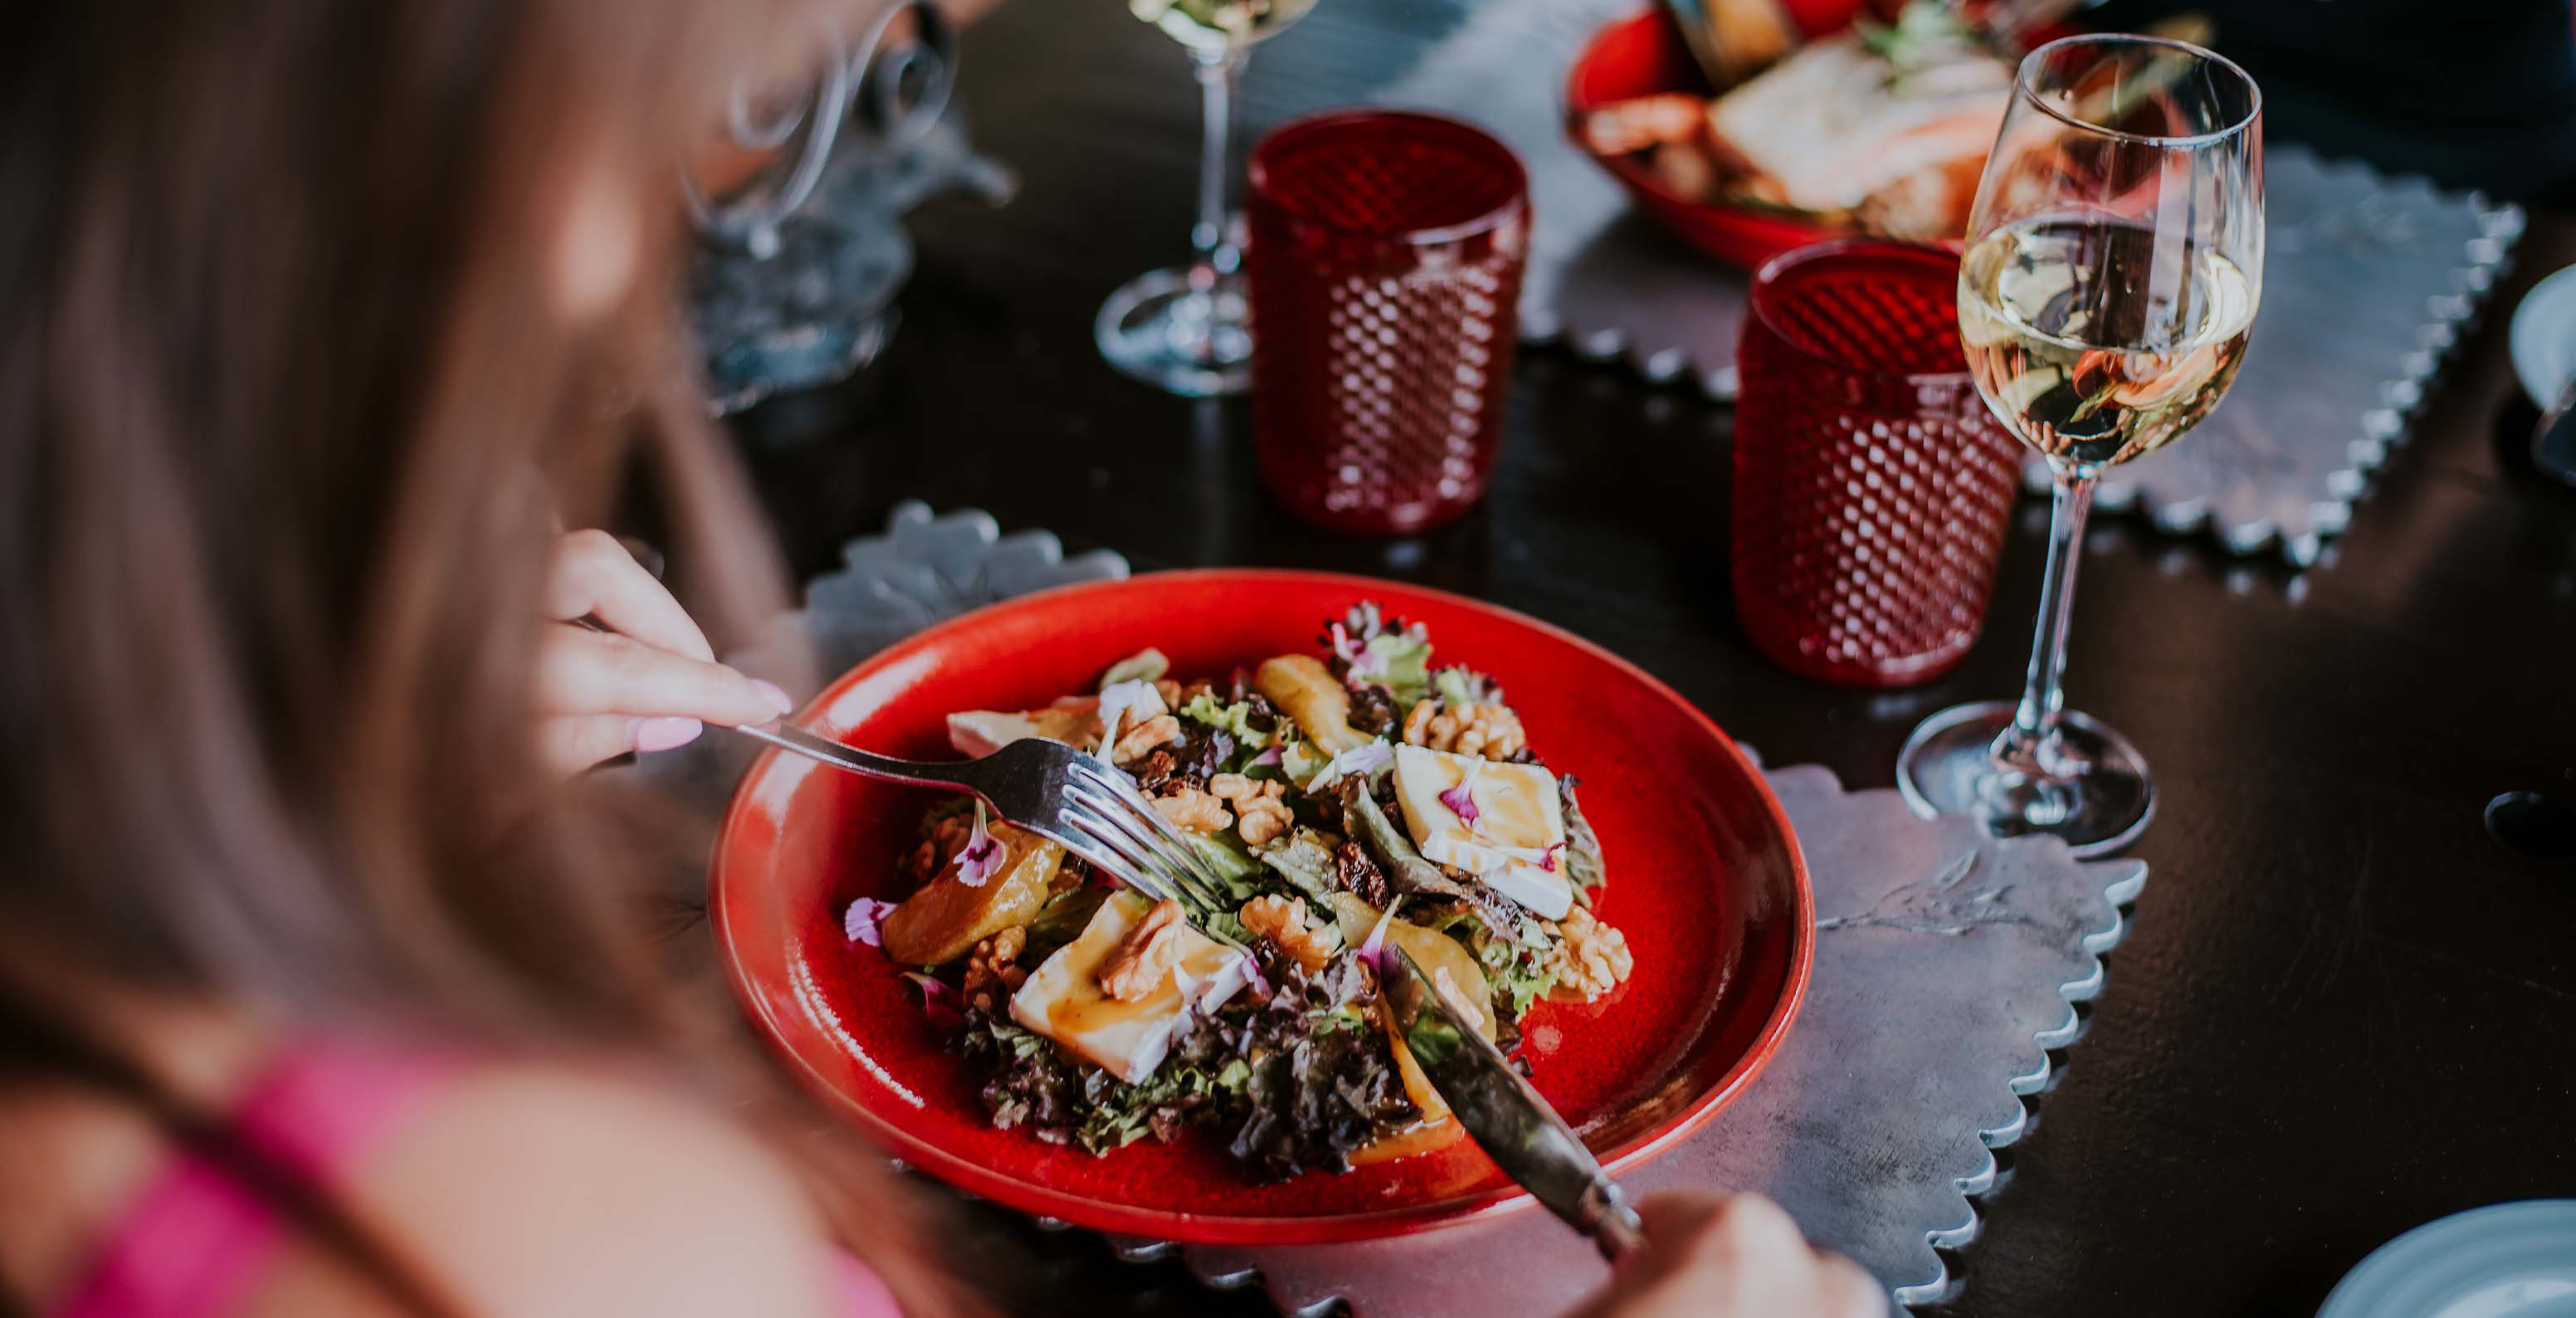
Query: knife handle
[1618, 1233]
[1605, 1216]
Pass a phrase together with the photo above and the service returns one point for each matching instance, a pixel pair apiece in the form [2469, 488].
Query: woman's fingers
[575, 742]
[1855, 1293]
[585, 672]
[593, 576]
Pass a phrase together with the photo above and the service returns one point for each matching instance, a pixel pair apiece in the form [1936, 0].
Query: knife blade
[1509, 1120]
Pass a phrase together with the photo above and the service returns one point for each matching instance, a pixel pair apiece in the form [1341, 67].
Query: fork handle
[788, 737]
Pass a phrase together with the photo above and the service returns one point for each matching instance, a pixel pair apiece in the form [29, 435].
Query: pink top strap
[190, 1246]
[196, 1241]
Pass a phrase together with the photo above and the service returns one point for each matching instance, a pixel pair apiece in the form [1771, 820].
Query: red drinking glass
[1385, 259]
[1872, 485]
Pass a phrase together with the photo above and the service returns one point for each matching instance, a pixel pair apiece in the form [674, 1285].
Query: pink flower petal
[938, 1001]
[860, 923]
[981, 858]
[1373, 948]
[1462, 803]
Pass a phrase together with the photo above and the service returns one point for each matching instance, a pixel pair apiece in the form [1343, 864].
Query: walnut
[1285, 921]
[1262, 815]
[1136, 971]
[1170, 691]
[1160, 730]
[1195, 810]
[1590, 958]
[1492, 731]
[993, 972]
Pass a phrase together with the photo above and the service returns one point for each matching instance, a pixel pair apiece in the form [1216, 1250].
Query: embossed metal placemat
[1947, 965]
[2368, 282]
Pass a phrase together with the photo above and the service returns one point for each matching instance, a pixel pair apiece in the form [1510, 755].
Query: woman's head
[317, 318]
[318, 321]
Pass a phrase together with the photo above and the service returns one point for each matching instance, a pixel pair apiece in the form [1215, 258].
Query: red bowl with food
[1826, 144]
[1703, 875]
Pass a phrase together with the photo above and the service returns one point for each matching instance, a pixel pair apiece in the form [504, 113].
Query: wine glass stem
[1213, 253]
[2030, 745]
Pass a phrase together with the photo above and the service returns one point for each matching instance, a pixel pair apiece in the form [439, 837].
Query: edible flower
[937, 1000]
[860, 923]
[1373, 948]
[981, 858]
[1462, 801]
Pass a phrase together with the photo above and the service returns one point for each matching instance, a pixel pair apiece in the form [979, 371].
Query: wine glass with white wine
[2114, 263]
[1188, 330]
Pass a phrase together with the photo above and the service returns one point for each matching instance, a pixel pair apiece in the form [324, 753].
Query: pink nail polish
[777, 699]
[661, 734]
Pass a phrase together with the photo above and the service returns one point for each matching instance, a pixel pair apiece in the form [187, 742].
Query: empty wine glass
[2114, 264]
[1189, 330]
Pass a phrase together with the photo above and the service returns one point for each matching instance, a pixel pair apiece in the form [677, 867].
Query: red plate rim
[1099, 1215]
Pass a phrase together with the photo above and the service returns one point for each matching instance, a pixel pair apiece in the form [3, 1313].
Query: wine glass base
[1158, 329]
[2099, 801]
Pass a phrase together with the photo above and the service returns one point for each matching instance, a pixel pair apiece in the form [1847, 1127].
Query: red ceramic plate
[1704, 877]
[1645, 55]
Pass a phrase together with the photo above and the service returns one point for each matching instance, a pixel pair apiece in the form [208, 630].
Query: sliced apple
[1321, 705]
[948, 917]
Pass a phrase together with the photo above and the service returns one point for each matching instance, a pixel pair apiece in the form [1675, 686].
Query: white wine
[1219, 24]
[2095, 344]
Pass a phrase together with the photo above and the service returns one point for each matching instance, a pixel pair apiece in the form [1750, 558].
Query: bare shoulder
[541, 1191]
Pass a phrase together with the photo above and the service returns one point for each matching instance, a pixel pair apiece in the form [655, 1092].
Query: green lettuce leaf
[1513, 969]
[1405, 666]
[1235, 718]
[1305, 859]
[1584, 867]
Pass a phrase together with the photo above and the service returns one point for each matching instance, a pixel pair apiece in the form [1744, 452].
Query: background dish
[2504, 1261]
[2543, 338]
[1704, 875]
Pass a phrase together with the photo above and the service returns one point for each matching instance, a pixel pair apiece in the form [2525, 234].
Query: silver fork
[1061, 794]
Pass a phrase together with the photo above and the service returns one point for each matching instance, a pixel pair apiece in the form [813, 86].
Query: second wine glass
[1188, 330]
[2114, 264]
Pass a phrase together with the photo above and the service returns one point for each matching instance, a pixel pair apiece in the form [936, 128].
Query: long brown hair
[288, 418]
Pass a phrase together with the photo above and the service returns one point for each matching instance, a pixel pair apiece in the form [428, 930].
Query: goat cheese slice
[1519, 823]
[1062, 998]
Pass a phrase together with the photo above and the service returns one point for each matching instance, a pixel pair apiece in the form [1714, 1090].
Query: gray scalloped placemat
[2368, 283]
[1947, 964]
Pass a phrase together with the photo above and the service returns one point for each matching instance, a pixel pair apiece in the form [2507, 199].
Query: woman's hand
[1738, 1257]
[648, 683]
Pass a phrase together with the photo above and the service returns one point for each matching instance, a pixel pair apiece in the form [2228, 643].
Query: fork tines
[1109, 810]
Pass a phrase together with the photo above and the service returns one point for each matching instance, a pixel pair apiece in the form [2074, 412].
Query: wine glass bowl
[2113, 269]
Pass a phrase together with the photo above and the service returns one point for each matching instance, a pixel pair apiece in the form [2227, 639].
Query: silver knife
[1515, 1127]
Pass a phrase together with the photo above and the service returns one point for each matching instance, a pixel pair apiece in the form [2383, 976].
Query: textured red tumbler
[1872, 486]
[1385, 260]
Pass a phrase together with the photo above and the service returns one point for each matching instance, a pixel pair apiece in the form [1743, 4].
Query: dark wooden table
[2343, 1010]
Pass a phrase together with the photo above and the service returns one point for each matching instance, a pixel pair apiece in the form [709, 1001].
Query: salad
[1352, 798]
